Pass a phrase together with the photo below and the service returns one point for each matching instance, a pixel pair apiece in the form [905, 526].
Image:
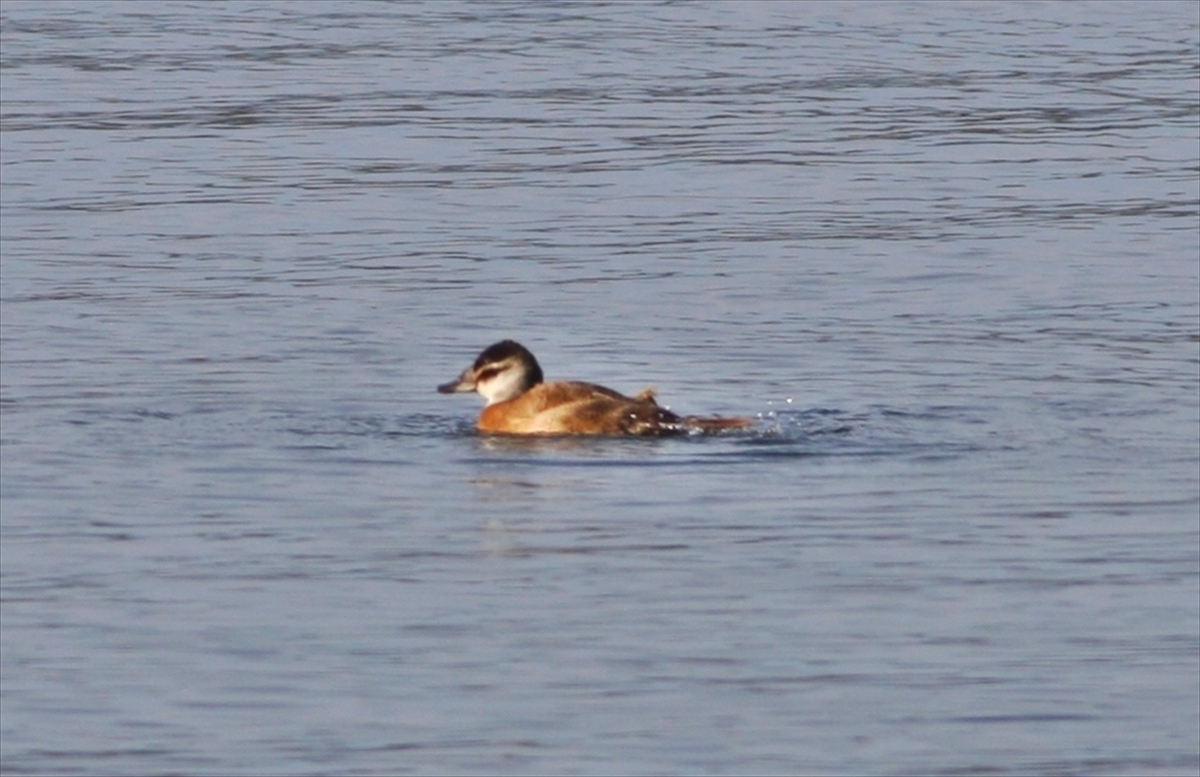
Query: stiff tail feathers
[715, 423]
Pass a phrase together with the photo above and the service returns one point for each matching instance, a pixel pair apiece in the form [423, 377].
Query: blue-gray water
[947, 252]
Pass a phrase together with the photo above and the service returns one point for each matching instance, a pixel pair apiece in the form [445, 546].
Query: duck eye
[487, 374]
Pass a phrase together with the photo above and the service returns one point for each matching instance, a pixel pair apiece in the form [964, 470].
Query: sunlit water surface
[946, 253]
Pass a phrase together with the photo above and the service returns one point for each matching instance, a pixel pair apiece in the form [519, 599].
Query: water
[948, 254]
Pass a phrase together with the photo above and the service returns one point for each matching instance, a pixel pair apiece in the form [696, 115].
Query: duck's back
[569, 407]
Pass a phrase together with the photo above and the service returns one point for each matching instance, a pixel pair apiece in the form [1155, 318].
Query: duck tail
[715, 423]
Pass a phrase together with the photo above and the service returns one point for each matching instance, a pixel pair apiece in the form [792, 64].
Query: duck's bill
[457, 386]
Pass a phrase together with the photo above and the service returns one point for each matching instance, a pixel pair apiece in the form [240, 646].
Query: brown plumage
[520, 402]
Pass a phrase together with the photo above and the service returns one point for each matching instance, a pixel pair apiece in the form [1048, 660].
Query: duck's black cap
[505, 349]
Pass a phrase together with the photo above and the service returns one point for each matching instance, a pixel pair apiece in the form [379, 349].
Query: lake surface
[947, 254]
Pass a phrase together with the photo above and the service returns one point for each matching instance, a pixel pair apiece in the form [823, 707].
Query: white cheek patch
[500, 386]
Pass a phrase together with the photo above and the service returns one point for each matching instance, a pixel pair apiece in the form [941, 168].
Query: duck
[521, 402]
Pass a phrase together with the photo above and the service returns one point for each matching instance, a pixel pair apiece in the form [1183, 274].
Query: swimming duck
[519, 401]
